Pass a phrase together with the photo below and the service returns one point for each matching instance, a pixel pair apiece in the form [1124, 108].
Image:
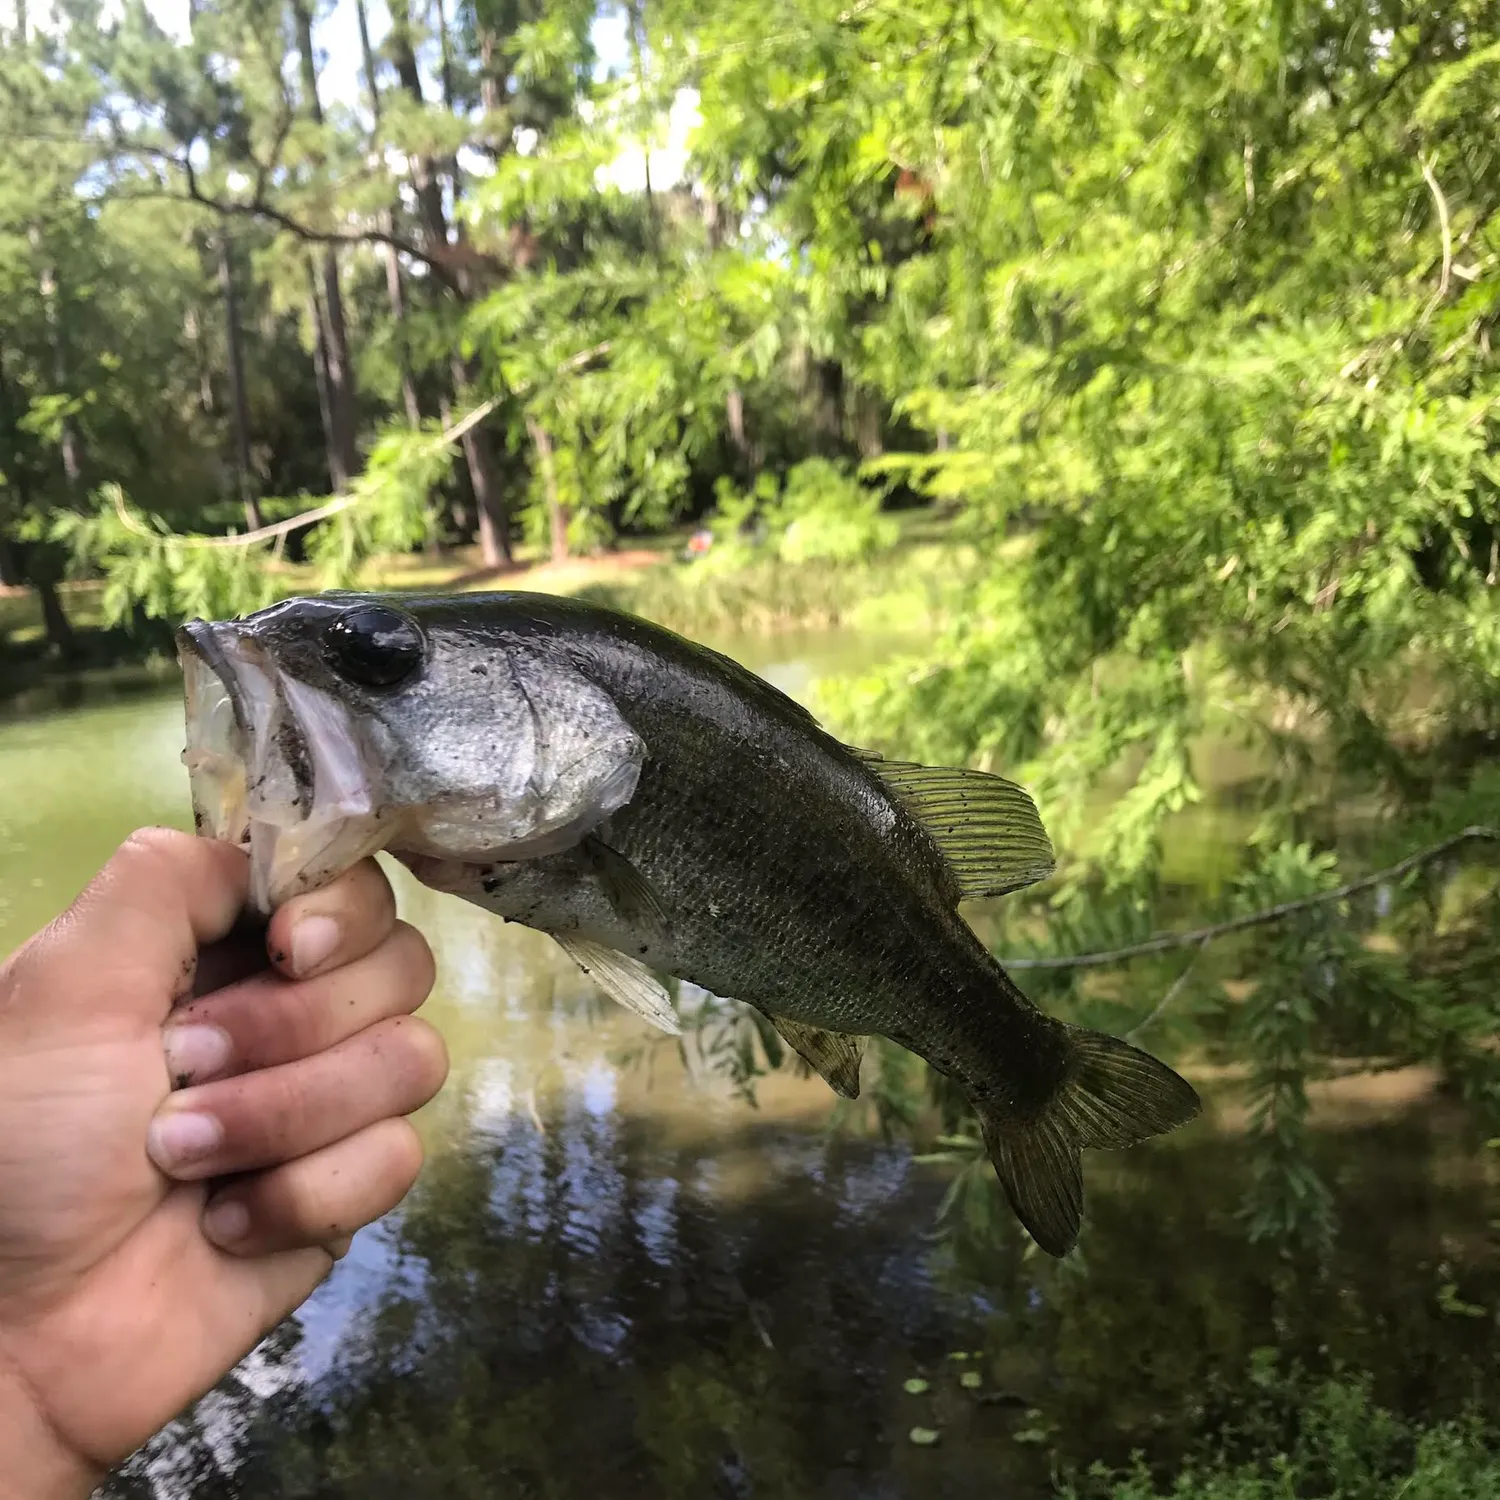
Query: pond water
[619, 1279]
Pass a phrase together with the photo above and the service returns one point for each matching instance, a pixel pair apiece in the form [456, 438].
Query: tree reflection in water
[588, 1311]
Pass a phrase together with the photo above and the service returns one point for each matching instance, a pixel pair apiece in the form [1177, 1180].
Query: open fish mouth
[274, 765]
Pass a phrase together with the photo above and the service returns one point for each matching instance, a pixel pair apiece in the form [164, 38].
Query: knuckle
[302, 1019]
[278, 1113]
[138, 864]
[154, 838]
[151, 847]
[299, 1204]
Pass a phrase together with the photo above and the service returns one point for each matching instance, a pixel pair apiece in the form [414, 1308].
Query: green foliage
[818, 513]
[1296, 1435]
[169, 576]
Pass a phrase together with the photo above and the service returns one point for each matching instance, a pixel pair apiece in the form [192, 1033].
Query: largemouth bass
[658, 809]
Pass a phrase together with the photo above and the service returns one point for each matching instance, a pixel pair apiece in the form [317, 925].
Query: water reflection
[627, 1302]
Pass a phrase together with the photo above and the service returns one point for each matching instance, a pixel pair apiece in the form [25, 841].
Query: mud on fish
[660, 810]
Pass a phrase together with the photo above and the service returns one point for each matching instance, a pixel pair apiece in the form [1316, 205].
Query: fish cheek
[523, 761]
[458, 757]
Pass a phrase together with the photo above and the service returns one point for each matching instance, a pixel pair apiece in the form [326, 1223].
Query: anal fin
[624, 979]
[832, 1055]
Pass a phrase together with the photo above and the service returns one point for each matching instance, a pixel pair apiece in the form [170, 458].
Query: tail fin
[1113, 1095]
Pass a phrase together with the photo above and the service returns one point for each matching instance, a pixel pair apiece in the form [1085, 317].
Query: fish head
[323, 729]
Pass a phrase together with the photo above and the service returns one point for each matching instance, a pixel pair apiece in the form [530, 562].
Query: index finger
[129, 943]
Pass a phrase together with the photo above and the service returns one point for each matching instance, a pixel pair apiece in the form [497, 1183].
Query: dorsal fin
[834, 1057]
[986, 827]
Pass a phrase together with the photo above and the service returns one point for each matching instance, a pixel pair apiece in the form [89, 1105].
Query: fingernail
[181, 1137]
[313, 940]
[226, 1221]
[195, 1052]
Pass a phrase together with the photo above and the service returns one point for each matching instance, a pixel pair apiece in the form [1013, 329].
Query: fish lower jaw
[289, 860]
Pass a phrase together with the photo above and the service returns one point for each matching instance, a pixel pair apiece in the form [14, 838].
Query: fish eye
[373, 646]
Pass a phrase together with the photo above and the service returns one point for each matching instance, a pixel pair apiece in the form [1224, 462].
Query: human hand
[149, 1238]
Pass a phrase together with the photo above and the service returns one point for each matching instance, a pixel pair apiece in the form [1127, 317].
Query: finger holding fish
[266, 1020]
[278, 1114]
[318, 1199]
[333, 925]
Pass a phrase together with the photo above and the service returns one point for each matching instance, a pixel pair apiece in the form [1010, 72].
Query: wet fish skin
[779, 866]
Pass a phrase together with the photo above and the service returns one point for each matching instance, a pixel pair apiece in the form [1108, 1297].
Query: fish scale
[701, 834]
[655, 806]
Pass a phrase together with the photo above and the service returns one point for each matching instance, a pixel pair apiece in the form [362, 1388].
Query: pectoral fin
[624, 980]
[629, 893]
[986, 827]
[830, 1054]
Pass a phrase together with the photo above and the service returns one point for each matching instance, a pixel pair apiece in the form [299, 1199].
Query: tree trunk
[395, 292]
[42, 563]
[868, 432]
[340, 372]
[11, 572]
[479, 453]
[450, 102]
[337, 365]
[463, 513]
[734, 413]
[827, 391]
[236, 361]
[557, 512]
[54, 618]
[68, 442]
[372, 84]
[10, 568]
[636, 23]
[193, 329]
[494, 88]
[397, 297]
[424, 178]
[320, 376]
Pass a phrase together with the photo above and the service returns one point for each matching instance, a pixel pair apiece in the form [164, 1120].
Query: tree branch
[444, 259]
[1447, 230]
[1171, 995]
[256, 208]
[278, 530]
[1165, 942]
